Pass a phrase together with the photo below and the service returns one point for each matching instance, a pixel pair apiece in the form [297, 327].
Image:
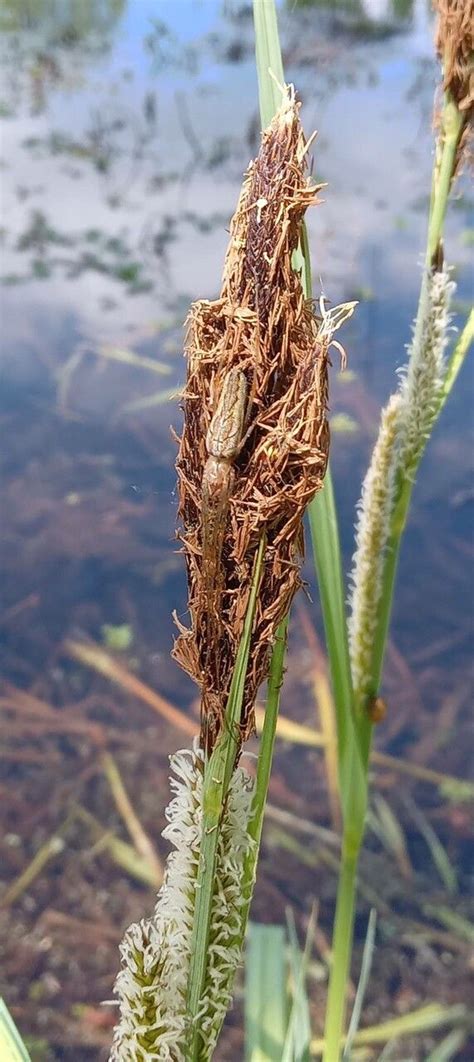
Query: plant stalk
[267, 741]
[341, 956]
[217, 775]
[265, 760]
[352, 839]
[452, 123]
[451, 129]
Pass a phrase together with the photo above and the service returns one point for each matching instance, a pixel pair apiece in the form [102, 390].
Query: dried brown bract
[455, 46]
[454, 42]
[255, 441]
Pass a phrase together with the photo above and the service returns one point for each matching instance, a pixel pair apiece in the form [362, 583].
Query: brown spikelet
[454, 43]
[261, 327]
[455, 46]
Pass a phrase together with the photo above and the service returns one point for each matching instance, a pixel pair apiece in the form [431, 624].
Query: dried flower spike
[255, 441]
[455, 46]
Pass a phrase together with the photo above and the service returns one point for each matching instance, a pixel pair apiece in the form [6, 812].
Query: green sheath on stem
[218, 772]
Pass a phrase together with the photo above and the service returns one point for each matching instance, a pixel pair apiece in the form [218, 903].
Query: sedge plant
[252, 453]
[178, 965]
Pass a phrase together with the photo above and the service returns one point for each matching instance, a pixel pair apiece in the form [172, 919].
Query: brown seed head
[262, 333]
[454, 43]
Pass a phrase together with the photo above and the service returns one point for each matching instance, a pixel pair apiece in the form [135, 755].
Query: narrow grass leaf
[266, 1005]
[139, 361]
[12, 1048]
[438, 853]
[362, 986]
[268, 58]
[390, 833]
[352, 777]
[298, 1035]
[462, 927]
[158, 398]
[456, 360]
[322, 511]
[449, 1047]
[432, 1016]
[328, 564]
[269, 730]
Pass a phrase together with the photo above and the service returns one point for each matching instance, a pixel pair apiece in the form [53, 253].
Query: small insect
[226, 427]
[377, 709]
[223, 443]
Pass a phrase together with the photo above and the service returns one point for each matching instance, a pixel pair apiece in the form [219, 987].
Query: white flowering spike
[372, 531]
[423, 378]
[405, 425]
[153, 982]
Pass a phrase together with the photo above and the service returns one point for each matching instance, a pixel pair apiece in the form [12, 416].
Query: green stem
[456, 360]
[384, 613]
[452, 127]
[322, 511]
[217, 775]
[267, 741]
[352, 785]
[341, 957]
[265, 759]
[323, 524]
[328, 563]
[398, 524]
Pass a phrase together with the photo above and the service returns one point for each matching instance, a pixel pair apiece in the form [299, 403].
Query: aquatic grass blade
[367, 957]
[456, 361]
[323, 524]
[12, 1048]
[417, 1022]
[266, 1005]
[352, 778]
[450, 1045]
[324, 530]
[267, 740]
[298, 1035]
[268, 58]
[439, 855]
[264, 766]
[322, 511]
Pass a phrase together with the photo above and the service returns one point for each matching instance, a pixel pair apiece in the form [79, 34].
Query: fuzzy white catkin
[152, 984]
[372, 531]
[405, 425]
[423, 378]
